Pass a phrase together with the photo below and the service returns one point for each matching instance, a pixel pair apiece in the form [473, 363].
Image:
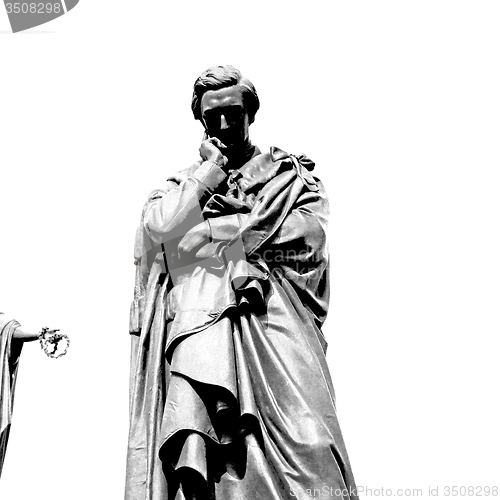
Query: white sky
[398, 104]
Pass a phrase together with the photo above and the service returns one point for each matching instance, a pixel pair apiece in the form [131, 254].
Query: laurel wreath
[49, 342]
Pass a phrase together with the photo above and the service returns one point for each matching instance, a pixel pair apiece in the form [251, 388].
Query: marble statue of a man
[230, 395]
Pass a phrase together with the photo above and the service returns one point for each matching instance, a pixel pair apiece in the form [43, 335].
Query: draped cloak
[230, 393]
[9, 359]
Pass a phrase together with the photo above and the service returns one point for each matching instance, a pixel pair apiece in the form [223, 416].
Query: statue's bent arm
[178, 210]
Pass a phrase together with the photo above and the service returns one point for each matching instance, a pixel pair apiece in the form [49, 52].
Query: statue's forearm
[21, 334]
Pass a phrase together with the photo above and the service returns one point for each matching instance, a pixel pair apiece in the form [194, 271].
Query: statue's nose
[223, 123]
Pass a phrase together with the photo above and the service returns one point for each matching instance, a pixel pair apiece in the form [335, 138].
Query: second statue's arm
[21, 334]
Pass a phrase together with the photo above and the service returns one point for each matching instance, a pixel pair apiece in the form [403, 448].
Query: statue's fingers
[217, 142]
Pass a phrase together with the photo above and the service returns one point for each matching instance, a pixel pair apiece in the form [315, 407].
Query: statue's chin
[236, 150]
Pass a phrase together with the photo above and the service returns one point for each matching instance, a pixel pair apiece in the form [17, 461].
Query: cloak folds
[230, 394]
[9, 360]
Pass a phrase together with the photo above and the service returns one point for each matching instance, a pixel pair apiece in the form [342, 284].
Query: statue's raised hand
[210, 150]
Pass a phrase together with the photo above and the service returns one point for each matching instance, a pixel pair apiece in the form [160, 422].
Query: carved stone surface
[231, 397]
[9, 359]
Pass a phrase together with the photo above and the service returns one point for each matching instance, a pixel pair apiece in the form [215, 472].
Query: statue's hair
[219, 77]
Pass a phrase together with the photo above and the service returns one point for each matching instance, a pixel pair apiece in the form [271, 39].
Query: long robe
[230, 393]
[9, 361]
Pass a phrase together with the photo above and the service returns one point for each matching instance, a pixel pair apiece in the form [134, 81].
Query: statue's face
[225, 117]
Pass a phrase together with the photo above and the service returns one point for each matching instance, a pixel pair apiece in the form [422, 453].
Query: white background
[398, 103]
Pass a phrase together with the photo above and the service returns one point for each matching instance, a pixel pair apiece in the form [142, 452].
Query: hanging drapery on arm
[10, 350]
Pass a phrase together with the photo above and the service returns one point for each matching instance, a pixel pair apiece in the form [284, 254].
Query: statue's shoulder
[301, 163]
[265, 167]
[4, 320]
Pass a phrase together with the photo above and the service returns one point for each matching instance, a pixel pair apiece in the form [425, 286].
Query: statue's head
[225, 102]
